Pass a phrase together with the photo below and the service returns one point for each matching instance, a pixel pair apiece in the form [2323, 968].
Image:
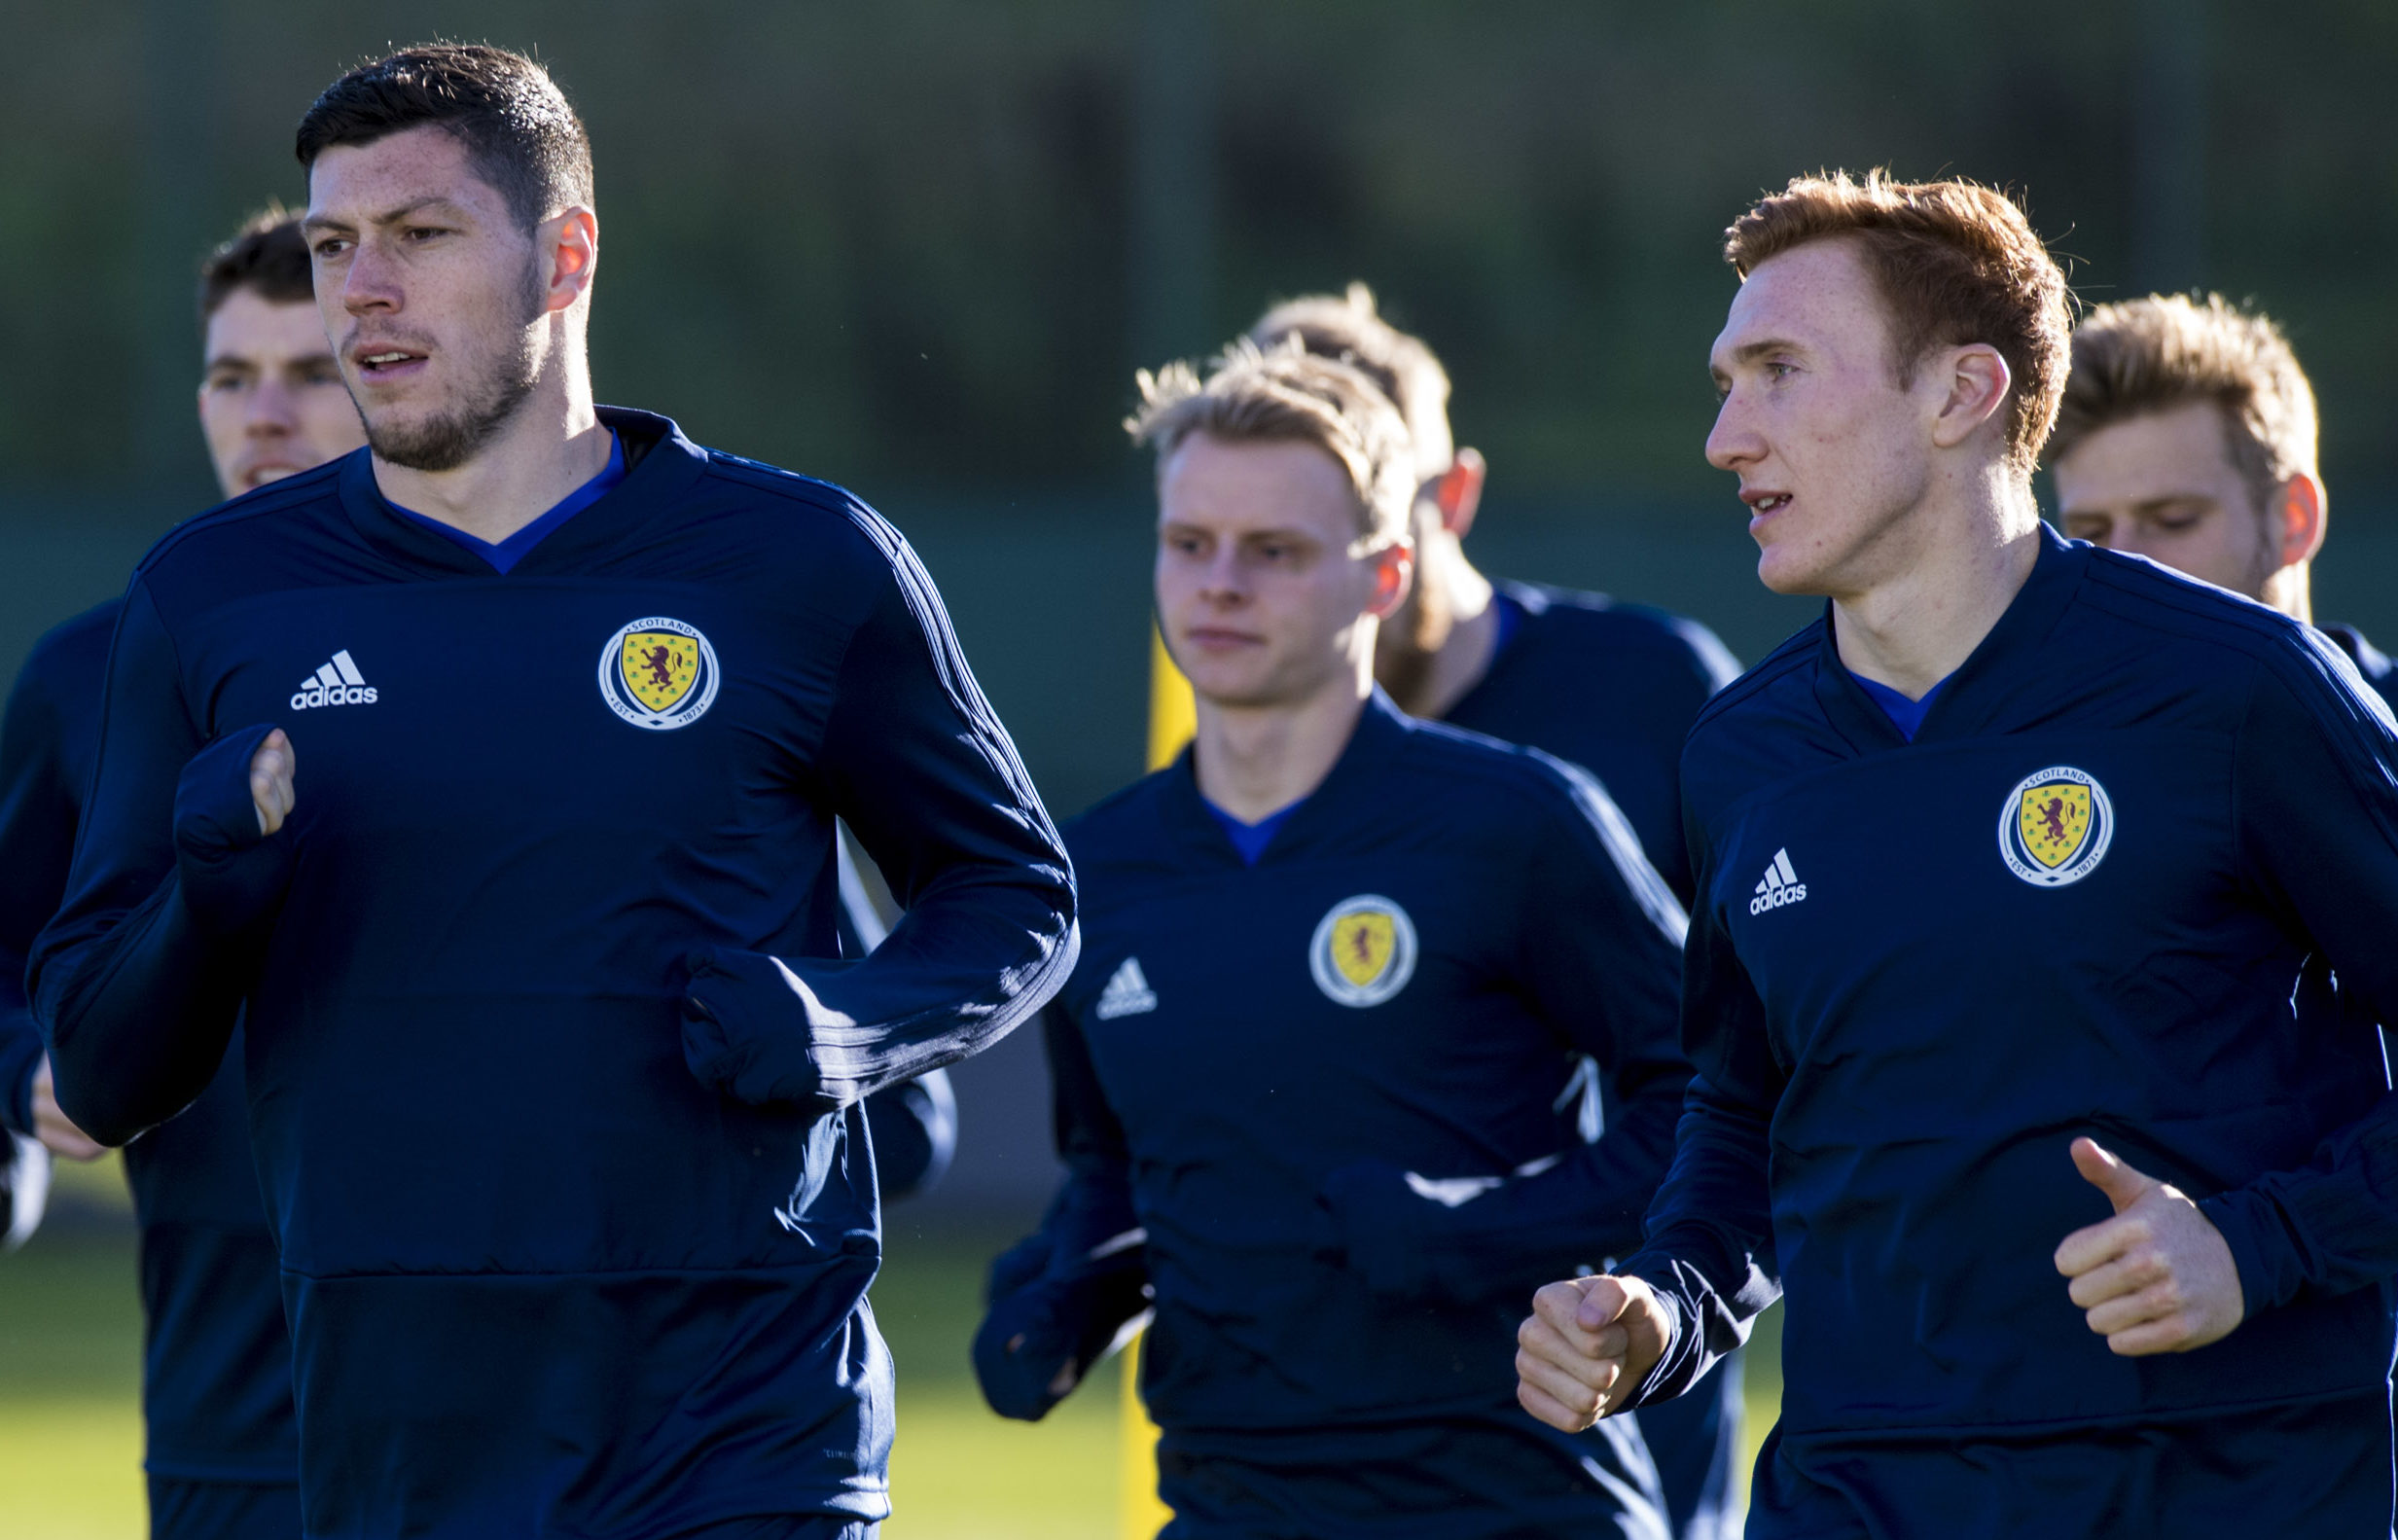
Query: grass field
[70, 1429]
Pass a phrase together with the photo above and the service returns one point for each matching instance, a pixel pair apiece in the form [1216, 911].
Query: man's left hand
[2156, 1277]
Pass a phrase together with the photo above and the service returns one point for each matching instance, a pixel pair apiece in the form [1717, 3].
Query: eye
[321, 374]
[1777, 369]
[328, 247]
[420, 233]
[2178, 521]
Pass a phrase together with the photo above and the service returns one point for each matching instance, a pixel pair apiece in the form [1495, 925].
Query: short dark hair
[516, 126]
[267, 256]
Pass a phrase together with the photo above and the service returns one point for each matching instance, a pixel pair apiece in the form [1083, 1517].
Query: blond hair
[1287, 395]
[1956, 263]
[2143, 356]
[1349, 328]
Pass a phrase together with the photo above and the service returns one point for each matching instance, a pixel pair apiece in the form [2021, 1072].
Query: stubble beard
[448, 438]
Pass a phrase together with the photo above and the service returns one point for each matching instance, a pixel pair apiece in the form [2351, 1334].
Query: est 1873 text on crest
[657, 673]
[2055, 826]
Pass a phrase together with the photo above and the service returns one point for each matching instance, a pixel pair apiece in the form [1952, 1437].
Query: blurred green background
[918, 247]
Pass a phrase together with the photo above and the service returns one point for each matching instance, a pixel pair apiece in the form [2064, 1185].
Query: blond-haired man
[2187, 435]
[1609, 687]
[1334, 953]
[2009, 869]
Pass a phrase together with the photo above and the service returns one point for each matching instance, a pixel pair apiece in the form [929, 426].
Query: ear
[1394, 572]
[1976, 381]
[1457, 492]
[569, 244]
[2299, 510]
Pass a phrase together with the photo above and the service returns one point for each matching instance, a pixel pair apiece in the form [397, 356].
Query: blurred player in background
[1612, 687]
[1339, 965]
[223, 1454]
[553, 1079]
[2187, 435]
[2010, 869]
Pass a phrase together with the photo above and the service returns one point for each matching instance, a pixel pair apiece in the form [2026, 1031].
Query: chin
[1782, 574]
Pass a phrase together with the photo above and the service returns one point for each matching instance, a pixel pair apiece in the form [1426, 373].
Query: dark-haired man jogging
[1333, 952]
[1609, 687]
[222, 1449]
[2010, 873]
[509, 758]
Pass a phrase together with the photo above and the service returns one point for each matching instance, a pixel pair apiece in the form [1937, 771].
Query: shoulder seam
[272, 498]
[1794, 654]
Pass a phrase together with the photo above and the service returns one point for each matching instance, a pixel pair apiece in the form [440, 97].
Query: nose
[371, 280]
[272, 410]
[1223, 585]
[1732, 444]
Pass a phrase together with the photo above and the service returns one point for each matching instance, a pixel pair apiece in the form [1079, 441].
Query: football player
[497, 770]
[2009, 869]
[1338, 962]
[1612, 687]
[2187, 435]
[222, 1449]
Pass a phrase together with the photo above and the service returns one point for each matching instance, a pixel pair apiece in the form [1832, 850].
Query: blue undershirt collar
[1905, 715]
[510, 551]
[1251, 839]
[1511, 617]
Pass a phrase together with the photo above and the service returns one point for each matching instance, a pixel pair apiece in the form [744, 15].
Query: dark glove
[745, 1028]
[1037, 1341]
[232, 877]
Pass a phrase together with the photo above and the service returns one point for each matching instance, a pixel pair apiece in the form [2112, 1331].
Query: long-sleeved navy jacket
[216, 1359]
[1252, 1060]
[1612, 687]
[2079, 902]
[555, 1093]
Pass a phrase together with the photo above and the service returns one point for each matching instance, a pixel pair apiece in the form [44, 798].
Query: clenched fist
[1586, 1345]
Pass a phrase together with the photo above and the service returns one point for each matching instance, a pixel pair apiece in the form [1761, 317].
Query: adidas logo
[1127, 994]
[337, 683]
[1780, 886]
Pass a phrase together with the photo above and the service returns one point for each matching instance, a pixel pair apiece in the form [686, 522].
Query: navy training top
[216, 1360]
[1610, 687]
[1264, 1069]
[1614, 688]
[2079, 902]
[554, 1084]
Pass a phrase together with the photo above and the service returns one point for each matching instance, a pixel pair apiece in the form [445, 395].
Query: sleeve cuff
[2251, 1242]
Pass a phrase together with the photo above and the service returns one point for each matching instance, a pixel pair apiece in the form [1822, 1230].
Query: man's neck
[1947, 587]
[2291, 590]
[1464, 656]
[1255, 761]
[552, 445]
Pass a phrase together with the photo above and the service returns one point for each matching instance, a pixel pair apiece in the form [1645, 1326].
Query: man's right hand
[272, 770]
[1587, 1343]
[54, 1127]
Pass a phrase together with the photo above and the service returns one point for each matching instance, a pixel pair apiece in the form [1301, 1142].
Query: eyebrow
[1749, 352]
[233, 360]
[320, 221]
